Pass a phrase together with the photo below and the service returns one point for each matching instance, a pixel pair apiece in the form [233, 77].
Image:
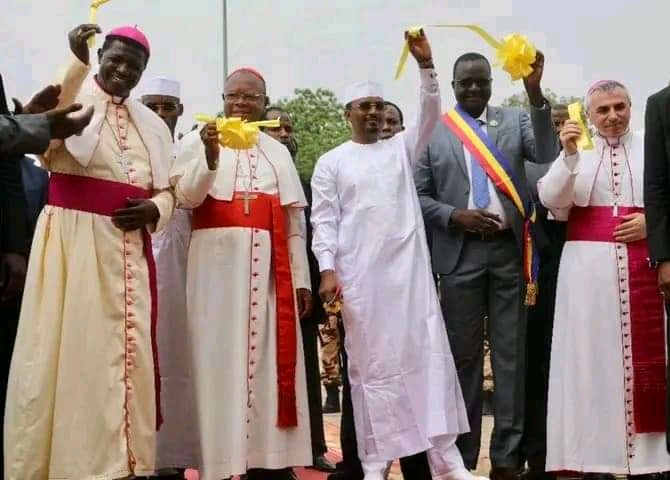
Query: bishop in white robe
[82, 395]
[606, 408]
[247, 258]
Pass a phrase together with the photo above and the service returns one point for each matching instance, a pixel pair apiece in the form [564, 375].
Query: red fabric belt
[596, 224]
[266, 213]
[104, 197]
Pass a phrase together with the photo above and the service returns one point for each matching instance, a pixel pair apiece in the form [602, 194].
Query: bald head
[244, 95]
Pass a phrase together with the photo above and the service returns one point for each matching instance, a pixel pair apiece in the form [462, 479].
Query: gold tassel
[531, 293]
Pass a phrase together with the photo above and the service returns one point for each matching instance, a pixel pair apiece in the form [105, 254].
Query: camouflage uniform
[330, 352]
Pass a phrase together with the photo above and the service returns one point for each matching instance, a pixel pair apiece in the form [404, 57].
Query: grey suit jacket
[23, 134]
[441, 175]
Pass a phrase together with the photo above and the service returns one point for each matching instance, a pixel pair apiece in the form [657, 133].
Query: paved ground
[332, 426]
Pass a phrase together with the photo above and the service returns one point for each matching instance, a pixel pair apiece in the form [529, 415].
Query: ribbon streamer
[515, 53]
[576, 112]
[412, 32]
[93, 16]
[236, 133]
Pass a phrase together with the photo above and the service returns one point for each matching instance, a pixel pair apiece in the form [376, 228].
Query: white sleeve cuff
[326, 262]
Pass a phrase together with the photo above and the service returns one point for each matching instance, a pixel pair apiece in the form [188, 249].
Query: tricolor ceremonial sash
[501, 174]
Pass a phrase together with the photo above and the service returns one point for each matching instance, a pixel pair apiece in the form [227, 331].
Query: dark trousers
[540, 327]
[414, 467]
[488, 281]
[310, 334]
[9, 321]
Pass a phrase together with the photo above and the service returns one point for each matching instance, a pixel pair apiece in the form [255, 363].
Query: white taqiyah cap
[161, 86]
[362, 90]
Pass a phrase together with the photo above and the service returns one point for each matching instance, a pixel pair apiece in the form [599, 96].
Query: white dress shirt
[495, 206]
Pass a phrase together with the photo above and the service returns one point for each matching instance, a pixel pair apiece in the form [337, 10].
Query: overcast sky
[309, 44]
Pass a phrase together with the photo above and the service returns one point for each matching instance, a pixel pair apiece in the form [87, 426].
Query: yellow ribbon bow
[515, 53]
[93, 16]
[334, 307]
[576, 112]
[236, 133]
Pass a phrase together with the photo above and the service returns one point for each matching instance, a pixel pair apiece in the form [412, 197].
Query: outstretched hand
[43, 101]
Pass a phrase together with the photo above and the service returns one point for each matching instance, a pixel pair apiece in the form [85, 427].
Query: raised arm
[72, 76]
[540, 144]
[417, 136]
[193, 176]
[556, 190]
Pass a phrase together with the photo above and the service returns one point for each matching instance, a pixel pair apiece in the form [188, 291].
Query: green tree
[319, 124]
[521, 99]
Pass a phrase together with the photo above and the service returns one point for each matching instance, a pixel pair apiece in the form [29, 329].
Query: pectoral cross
[246, 197]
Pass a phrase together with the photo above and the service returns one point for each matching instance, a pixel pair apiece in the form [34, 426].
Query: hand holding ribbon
[417, 43]
[515, 53]
[576, 112]
[95, 4]
[236, 133]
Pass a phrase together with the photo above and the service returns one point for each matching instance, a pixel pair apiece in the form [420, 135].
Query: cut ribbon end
[412, 32]
[576, 113]
[93, 17]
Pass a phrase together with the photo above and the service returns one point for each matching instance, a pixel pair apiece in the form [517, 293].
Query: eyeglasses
[469, 82]
[165, 107]
[245, 97]
[366, 106]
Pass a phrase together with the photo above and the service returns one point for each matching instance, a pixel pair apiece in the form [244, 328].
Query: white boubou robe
[368, 227]
[177, 443]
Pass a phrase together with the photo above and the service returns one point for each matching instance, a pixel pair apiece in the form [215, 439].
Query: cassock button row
[255, 289]
[257, 244]
[253, 304]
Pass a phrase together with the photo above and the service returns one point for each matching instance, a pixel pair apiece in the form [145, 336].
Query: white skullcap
[362, 90]
[162, 86]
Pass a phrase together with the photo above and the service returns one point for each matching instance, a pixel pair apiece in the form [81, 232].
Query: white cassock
[368, 227]
[594, 407]
[233, 302]
[177, 443]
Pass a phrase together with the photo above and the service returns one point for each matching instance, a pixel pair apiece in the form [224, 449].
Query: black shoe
[332, 403]
[598, 476]
[532, 474]
[322, 464]
[505, 473]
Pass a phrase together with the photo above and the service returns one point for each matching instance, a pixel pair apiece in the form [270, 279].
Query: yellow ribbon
[333, 307]
[412, 32]
[576, 112]
[515, 53]
[236, 133]
[93, 16]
